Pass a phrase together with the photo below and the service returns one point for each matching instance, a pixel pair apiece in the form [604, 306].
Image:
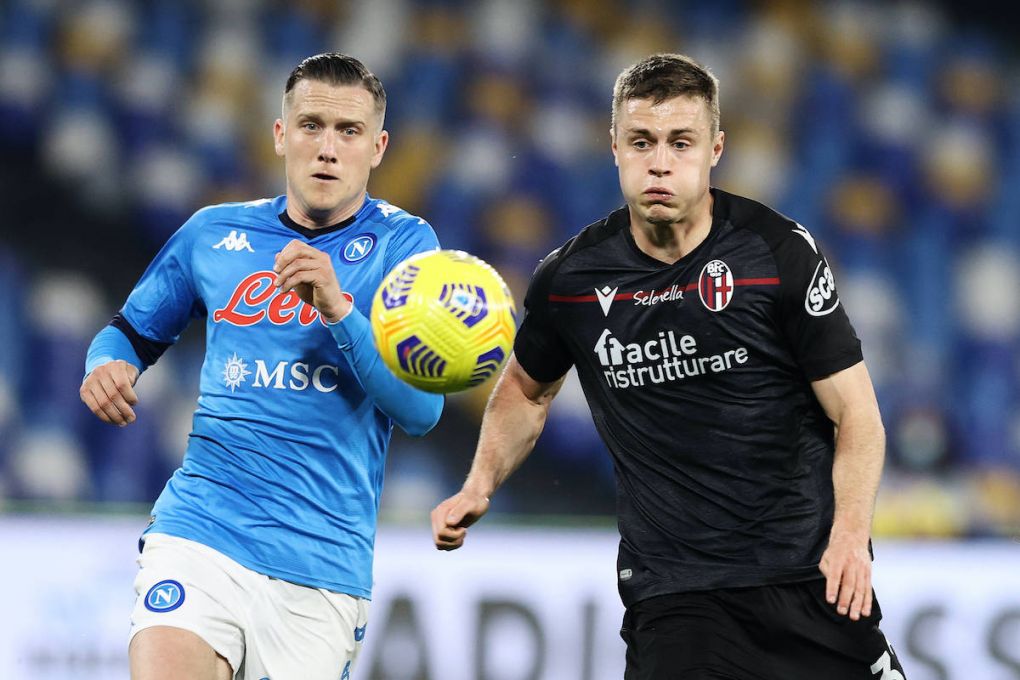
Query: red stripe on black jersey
[773, 281]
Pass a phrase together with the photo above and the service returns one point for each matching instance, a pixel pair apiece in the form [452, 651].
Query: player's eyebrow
[676, 132]
[318, 118]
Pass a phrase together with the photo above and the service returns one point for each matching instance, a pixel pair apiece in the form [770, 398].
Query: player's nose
[327, 152]
[660, 161]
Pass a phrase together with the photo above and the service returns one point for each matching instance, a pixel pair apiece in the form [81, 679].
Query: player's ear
[278, 131]
[612, 136]
[382, 140]
[717, 147]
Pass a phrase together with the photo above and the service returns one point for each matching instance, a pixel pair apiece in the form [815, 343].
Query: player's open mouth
[323, 176]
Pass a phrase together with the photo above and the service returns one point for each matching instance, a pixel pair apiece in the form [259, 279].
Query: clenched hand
[109, 392]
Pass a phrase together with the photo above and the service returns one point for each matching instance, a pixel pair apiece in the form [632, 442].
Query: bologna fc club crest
[715, 285]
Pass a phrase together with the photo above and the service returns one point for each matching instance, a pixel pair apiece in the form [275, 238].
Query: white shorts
[264, 627]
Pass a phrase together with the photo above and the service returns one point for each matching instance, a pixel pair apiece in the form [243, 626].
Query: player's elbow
[423, 417]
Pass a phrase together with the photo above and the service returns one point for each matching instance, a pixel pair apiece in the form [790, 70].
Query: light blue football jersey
[284, 464]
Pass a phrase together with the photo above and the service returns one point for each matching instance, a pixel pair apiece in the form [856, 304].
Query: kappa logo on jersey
[234, 243]
[165, 596]
[821, 298]
[606, 297]
[297, 375]
[258, 291]
[358, 248]
[715, 285]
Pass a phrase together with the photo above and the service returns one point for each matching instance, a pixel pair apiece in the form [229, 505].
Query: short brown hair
[336, 68]
[664, 76]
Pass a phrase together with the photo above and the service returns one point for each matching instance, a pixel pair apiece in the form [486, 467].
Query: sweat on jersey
[284, 464]
[698, 378]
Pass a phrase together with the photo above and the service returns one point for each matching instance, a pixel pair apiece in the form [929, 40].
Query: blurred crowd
[889, 131]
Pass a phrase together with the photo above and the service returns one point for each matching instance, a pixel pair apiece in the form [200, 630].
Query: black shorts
[782, 632]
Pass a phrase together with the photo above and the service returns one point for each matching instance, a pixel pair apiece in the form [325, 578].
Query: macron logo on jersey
[801, 231]
[606, 297]
[234, 243]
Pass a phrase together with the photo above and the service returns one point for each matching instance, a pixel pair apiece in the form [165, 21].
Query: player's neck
[668, 242]
[313, 219]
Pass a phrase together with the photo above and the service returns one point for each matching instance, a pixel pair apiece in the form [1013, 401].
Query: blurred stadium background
[890, 129]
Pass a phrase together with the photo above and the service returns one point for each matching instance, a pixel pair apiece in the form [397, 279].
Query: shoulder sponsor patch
[821, 298]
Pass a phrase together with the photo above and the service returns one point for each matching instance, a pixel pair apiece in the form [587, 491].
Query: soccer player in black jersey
[729, 386]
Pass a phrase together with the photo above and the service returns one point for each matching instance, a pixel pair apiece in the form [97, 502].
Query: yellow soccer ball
[443, 321]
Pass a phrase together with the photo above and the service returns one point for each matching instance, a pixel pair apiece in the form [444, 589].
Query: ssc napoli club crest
[358, 248]
[715, 285]
[165, 596]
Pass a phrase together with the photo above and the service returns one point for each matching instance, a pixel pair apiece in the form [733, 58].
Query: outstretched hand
[452, 517]
[309, 272]
[846, 564]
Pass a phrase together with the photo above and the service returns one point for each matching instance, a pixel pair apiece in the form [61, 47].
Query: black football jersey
[698, 378]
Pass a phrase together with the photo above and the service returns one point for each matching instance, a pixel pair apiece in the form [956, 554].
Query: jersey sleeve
[165, 299]
[416, 237]
[539, 347]
[813, 320]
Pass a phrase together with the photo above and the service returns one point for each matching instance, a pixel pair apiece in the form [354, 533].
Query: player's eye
[351, 131]
[641, 144]
[681, 145]
[311, 127]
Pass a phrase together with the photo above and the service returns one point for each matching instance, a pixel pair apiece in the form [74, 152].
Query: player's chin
[656, 212]
[325, 199]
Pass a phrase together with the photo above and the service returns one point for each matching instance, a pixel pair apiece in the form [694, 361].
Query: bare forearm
[511, 426]
[856, 471]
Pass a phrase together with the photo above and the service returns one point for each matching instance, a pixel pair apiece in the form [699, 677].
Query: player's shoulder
[237, 212]
[776, 229]
[581, 242]
[392, 217]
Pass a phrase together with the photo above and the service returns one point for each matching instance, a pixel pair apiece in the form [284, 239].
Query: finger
[293, 250]
[831, 584]
[125, 412]
[847, 587]
[438, 524]
[452, 535]
[857, 603]
[451, 542]
[110, 412]
[457, 512]
[869, 597]
[113, 390]
[90, 401]
[299, 265]
[123, 382]
[313, 278]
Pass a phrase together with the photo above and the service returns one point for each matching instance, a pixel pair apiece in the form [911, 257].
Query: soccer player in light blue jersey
[258, 560]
